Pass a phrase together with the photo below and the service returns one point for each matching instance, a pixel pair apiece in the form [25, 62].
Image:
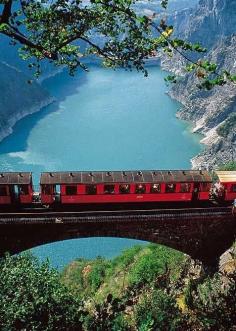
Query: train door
[14, 193]
[196, 189]
[57, 193]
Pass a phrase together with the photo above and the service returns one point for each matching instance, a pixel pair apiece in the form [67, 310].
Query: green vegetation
[33, 298]
[228, 166]
[149, 288]
[228, 126]
[64, 32]
[134, 268]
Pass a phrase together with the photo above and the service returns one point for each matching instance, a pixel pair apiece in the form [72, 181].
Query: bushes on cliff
[153, 296]
[97, 273]
[157, 310]
[33, 298]
[152, 263]
[213, 303]
[228, 166]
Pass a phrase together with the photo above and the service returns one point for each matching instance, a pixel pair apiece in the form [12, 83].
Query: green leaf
[171, 79]
[164, 3]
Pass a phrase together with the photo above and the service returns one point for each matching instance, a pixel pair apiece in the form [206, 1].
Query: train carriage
[227, 180]
[124, 186]
[16, 188]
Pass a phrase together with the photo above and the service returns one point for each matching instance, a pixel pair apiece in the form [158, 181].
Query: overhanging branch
[6, 13]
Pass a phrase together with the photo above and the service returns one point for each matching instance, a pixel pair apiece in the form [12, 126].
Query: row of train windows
[125, 189]
[20, 189]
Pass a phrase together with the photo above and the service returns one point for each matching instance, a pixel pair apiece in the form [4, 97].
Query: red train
[116, 187]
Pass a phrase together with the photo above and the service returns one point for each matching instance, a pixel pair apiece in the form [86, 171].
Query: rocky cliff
[18, 98]
[212, 112]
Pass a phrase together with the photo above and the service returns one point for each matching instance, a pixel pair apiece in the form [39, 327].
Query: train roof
[152, 176]
[226, 176]
[15, 178]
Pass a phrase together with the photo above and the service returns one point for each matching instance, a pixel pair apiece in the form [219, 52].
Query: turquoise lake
[102, 120]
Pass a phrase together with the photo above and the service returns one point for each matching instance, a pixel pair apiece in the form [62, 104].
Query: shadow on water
[59, 86]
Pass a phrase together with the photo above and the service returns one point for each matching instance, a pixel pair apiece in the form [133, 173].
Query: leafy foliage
[106, 316]
[126, 258]
[158, 311]
[153, 262]
[64, 32]
[97, 274]
[32, 297]
[213, 302]
[228, 166]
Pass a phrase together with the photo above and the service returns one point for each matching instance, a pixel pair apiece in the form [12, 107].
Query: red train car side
[125, 186]
[16, 188]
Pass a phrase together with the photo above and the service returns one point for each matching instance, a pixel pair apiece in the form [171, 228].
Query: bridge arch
[203, 237]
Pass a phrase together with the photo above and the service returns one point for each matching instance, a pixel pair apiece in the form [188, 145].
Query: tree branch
[6, 13]
[25, 41]
[100, 51]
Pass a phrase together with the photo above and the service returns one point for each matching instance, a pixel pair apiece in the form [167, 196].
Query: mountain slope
[212, 112]
[18, 98]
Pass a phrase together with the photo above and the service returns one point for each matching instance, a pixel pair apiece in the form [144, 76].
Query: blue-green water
[102, 120]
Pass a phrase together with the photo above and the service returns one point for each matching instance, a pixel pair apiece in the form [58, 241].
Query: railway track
[61, 216]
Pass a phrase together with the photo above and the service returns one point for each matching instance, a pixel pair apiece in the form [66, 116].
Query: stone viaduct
[204, 234]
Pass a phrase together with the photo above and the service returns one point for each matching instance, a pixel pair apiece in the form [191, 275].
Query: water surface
[102, 120]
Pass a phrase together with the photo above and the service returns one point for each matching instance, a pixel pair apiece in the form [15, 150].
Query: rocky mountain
[18, 97]
[211, 20]
[212, 112]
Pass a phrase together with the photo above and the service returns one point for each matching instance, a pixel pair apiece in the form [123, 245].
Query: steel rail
[121, 211]
[103, 216]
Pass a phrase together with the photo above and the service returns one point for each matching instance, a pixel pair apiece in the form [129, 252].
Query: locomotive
[116, 187]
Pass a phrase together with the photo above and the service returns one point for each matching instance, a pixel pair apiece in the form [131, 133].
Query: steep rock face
[212, 23]
[18, 98]
[200, 105]
[212, 20]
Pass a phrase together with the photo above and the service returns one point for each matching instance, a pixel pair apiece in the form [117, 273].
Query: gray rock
[18, 98]
[213, 22]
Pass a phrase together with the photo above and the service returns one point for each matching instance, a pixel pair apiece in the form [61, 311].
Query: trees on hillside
[33, 298]
[177, 297]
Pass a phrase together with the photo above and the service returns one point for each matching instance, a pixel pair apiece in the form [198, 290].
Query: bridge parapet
[202, 233]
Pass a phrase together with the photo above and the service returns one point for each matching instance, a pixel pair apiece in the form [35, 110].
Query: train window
[185, 187]
[205, 187]
[71, 190]
[140, 189]
[109, 189]
[124, 188]
[233, 188]
[156, 188]
[170, 188]
[46, 189]
[91, 189]
[3, 191]
[23, 189]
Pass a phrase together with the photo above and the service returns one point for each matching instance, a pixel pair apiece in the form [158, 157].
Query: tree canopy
[33, 298]
[66, 31]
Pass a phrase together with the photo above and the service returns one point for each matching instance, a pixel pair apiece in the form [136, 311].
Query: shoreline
[4, 133]
[25, 112]
[206, 137]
